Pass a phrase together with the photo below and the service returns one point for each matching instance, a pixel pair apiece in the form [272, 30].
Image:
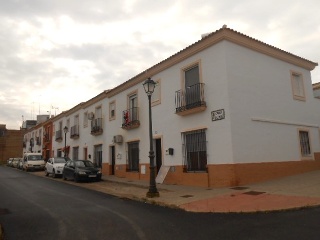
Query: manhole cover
[4, 211]
[186, 196]
[254, 193]
[239, 188]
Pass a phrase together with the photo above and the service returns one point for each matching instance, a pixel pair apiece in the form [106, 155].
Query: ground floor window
[195, 150]
[304, 143]
[59, 153]
[97, 157]
[133, 157]
[75, 153]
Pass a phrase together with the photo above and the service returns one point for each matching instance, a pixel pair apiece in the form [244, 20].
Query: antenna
[55, 109]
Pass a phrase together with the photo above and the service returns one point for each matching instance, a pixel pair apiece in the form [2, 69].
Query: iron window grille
[195, 151]
[305, 143]
[133, 157]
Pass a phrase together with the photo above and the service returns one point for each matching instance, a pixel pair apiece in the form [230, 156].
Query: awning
[67, 148]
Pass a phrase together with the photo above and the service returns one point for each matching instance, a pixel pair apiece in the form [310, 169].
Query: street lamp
[65, 129]
[149, 86]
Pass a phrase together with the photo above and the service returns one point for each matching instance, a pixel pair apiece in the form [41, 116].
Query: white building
[227, 110]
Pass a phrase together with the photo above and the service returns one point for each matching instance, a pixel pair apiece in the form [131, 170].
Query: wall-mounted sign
[218, 115]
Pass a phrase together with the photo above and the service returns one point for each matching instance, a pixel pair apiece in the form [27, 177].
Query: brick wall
[10, 143]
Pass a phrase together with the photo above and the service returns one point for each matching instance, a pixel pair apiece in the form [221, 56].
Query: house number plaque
[218, 115]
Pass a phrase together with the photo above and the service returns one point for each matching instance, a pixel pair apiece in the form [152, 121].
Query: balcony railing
[74, 131]
[46, 138]
[38, 141]
[96, 126]
[59, 135]
[130, 118]
[190, 100]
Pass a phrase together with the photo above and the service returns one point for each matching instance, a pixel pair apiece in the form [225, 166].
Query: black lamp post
[65, 129]
[149, 86]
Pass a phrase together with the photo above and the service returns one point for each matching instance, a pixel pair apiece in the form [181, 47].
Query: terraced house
[227, 110]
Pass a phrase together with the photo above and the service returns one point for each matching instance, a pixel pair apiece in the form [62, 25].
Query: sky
[55, 54]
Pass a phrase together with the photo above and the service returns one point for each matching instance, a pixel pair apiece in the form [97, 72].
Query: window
[85, 119]
[76, 120]
[68, 123]
[75, 153]
[195, 150]
[112, 110]
[156, 95]
[297, 86]
[304, 143]
[133, 156]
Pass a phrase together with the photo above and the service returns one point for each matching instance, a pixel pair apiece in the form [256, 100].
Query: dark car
[81, 170]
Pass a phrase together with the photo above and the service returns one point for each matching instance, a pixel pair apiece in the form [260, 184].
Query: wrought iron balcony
[38, 141]
[190, 100]
[130, 118]
[59, 135]
[96, 126]
[74, 132]
[46, 138]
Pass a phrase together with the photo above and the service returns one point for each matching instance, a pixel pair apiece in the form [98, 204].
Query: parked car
[9, 162]
[20, 164]
[55, 166]
[15, 162]
[33, 161]
[79, 170]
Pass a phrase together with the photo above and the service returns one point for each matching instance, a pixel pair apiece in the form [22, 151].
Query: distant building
[29, 124]
[10, 143]
[316, 90]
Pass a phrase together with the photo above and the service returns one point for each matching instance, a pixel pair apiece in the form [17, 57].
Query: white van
[33, 161]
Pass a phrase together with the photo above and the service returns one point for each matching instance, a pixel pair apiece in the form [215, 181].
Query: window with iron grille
[75, 153]
[195, 151]
[133, 156]
[304, 143]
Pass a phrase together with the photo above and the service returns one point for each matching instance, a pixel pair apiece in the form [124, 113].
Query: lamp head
[149, 86]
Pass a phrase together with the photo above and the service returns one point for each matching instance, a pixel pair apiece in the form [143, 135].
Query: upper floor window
[112, 110]
[156, 95]
[297, 86]
[85, 119]
[76, 120]
[98, 112]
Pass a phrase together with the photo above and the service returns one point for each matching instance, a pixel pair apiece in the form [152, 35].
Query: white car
[55, 166]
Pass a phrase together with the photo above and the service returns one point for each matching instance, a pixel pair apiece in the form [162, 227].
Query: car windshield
[34, 157]
[84, 164]
[59, 160]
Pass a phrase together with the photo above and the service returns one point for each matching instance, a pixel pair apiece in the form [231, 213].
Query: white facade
[251, 83]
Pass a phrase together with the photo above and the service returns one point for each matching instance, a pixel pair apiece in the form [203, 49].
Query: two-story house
[227, 110]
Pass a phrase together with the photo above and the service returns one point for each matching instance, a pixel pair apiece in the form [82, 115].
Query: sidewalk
[286, 193]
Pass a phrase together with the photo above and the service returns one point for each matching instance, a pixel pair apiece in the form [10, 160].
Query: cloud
[60, 53]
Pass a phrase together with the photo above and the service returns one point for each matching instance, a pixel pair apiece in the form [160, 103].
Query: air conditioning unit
[117, 139]
[91, 116]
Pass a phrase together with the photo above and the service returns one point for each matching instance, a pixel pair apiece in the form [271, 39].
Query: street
[33, 207]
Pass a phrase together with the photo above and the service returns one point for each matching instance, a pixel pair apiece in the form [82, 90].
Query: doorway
[97, 157]
[113, 158]
[158, 153]
[85, 153]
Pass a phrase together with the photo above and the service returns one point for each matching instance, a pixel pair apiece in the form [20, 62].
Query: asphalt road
[33, 207]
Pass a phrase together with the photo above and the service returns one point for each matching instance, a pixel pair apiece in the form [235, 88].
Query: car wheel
[46, 172]
[53, 174]
[64, 176]
[76, 178]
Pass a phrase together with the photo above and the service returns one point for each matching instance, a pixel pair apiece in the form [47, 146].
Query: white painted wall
[260, 87]
[246, 84]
